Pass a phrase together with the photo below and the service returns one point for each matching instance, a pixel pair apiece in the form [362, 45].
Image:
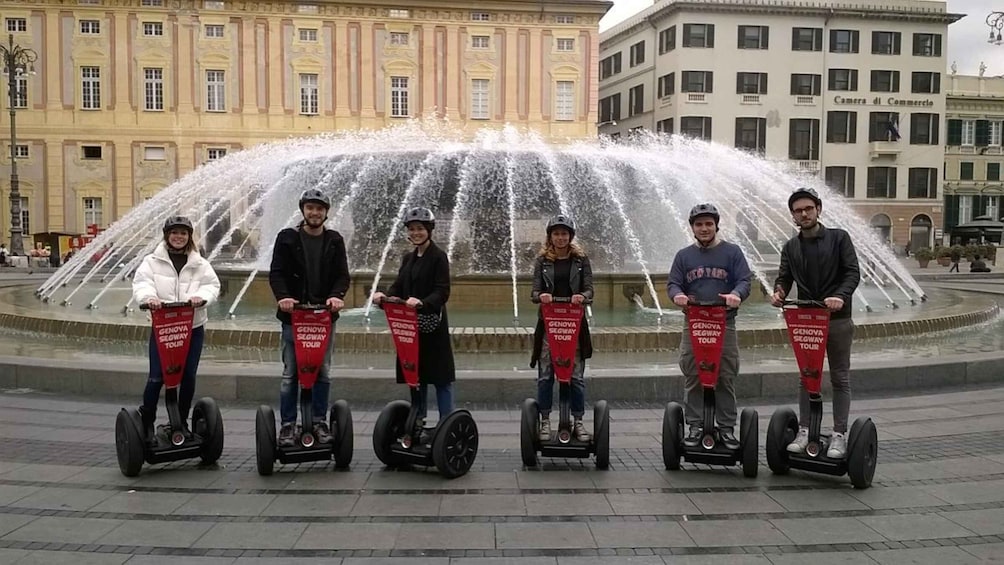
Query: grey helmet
[704, 210]
[178, 221]
[314, 195]
[420, 214]
[809, 193]
[561, 221]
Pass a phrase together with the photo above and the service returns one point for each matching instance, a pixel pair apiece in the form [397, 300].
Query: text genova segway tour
[808, 328]
[562, 321]
[172, 327]
[397, 435]
[706, 326]
[311, 339]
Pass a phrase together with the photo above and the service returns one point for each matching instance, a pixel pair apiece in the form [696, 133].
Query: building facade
[842, 89]
[973, 152]
[129, 95]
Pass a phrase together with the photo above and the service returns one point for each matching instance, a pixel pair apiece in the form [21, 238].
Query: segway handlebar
[309, 306]
[718, 302]
[567, 300]
[804, 303]
[393, 300]
[168, 305]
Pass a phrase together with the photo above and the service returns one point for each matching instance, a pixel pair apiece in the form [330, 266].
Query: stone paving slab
[252, 536]
[63, 530]
[915, 527]
[156, 533]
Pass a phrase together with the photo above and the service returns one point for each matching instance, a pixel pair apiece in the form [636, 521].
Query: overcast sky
[967, 38]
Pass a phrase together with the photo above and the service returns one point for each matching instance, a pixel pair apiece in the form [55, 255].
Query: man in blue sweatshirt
[710, 269]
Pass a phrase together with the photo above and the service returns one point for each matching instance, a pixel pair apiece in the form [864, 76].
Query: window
[966, 170]
[309, 35]
[885, 81]
[480, 16]
[841, 127]
[667, 40]
[479, 99]
[214, 153]
[565, 44]
[664, 126]
[25, 216]
[92, 212]
[153, 88]
[926, 83]
[803, 139]
[806, 85]
[564, 19]
[564, 100]
[841, 180]
[91, 151]
[667, 85]
[400, 38]
[153, 3]
[696, 126]
[637, 53]
[154, 154]
[751, 83]
[699, 35]
[843, 79]
[636, 100]
[994, 137]
[844, 40]
[927, 44]
[610, 66]
[479, 41]
[697, 81]
[399, 13]
[399, 97]
[90, 88]
[214, 31]
[993, 171]
[220, 5]
[881, 182]
[968, 132]
[308, 94]
[153, 29]
[21, 151]
[90, 27]
[20, 92]
[610, 108]
[922, 183]
[753, 37]
[885, 42]
[965, 208]
[17, 25]
[216, 91]
[806, 39]
[883, 126]
[751, 134]
[924, 129]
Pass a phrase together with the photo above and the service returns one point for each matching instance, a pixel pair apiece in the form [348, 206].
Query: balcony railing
[697, 97]
[884, 149]
[803, 100]
[749, 99]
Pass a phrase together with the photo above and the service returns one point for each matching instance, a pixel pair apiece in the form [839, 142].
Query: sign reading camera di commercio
[879, 101]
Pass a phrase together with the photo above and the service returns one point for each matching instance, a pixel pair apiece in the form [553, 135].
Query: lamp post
[17, 62]
[996, 23]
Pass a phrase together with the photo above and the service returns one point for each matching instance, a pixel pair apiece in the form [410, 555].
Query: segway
[311, 338]
[562, 322]
[398, 438]
[172, 330]
[706, 326]
[808, 324]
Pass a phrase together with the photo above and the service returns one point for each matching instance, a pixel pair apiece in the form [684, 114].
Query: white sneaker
[545, 429]
[838, 446]
[801, 440]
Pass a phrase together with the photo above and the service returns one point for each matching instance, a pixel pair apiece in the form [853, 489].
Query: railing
[749, 99]
[803, 100]
[808, 166]
[697, 97]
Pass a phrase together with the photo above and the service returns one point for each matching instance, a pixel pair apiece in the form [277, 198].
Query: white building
[847, 89]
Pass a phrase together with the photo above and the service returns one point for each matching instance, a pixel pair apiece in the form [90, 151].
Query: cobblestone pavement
[938, 497]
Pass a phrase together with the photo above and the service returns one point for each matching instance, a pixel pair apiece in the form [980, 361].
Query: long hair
[189, 247]
[548, 252]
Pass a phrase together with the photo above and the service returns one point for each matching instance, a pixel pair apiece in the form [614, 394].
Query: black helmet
[561, 221]
[314, 195]
[178, 221]
[804, 193]
[420, 214]
[704, 210]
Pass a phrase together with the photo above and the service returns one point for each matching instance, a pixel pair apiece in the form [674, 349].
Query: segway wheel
[340, 420]
[672, 436]
[129, 442]
[390, 426]
[862, 452]
[265, 439]
[455, 445]
[749, 441]
[601, 434]
[207, 423]
[781, 431]
[528, 432]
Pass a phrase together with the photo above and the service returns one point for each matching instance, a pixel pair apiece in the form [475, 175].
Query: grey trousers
[838, 355]
[725, 392]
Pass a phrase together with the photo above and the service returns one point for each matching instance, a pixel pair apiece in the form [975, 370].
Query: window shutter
[764, 37]
[711, 35]
[954, 132]
[794, 38]
[833, 39]
[935, 124]
[739, 131]
[896, 43]
[982, 133]
[763, 83]
[854, 79]
[855, 38]
[937, 45]
[895, 81]
[817, 43]
[794, 84]
[937, 83]
[852, 128]
[709, 82]
[739, 83]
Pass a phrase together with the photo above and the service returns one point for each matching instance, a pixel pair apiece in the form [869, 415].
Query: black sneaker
[287, 435]
[728, 439]
[322, 433]
[693, 439]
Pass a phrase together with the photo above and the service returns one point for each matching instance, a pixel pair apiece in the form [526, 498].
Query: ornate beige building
[129, 95]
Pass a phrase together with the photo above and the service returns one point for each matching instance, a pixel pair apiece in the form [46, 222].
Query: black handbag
[428, 323]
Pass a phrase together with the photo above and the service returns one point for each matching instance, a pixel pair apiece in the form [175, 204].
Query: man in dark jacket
[309, 266]
[822, 263]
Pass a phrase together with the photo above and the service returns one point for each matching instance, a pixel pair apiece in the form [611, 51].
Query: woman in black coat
[424, 282]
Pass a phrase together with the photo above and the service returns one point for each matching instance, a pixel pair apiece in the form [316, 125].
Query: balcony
[801, 100]
[811, 167]
[666, 101]
[879, 149]
[749, 99]
[697, 97]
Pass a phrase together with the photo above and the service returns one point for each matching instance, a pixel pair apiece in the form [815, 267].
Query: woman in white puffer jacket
[175, 272]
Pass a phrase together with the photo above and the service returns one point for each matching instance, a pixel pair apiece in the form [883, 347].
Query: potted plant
[944, 255]
[924, 256]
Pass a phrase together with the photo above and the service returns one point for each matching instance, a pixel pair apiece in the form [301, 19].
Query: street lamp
[996, 22]
[17, 62]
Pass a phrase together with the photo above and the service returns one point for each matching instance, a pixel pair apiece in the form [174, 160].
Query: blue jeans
[289, 390]
[151, 396]
[545, 383]
[444, 400]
